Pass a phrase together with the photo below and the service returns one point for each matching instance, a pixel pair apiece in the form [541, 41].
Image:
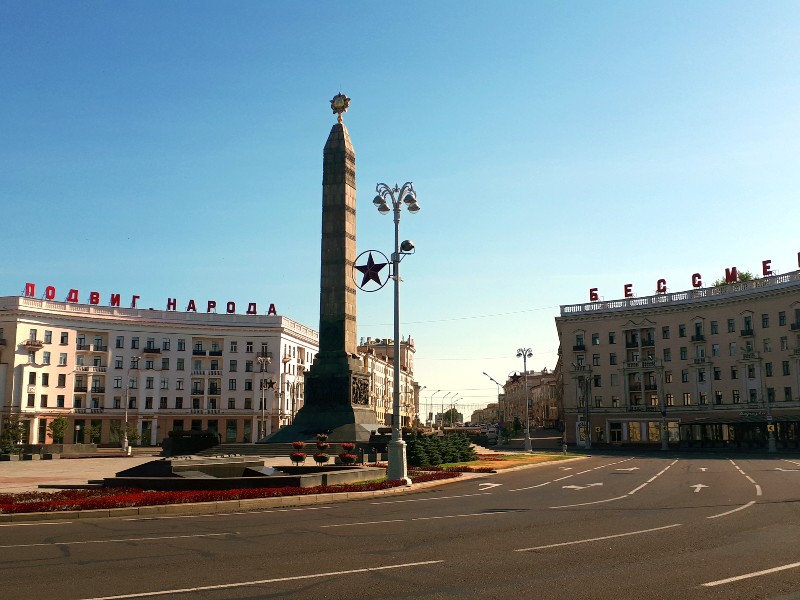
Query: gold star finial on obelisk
[340, 104]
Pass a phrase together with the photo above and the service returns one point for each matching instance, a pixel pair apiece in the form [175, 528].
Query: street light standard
[263, 362]
[431, 408]
[499, 387]
[134, 361]
[525, 354]
[397, 196]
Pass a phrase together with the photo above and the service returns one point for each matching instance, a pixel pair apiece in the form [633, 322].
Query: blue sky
[174, 149]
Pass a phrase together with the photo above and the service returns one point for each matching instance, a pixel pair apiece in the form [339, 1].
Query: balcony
[795, 326]
[197, 352]
[579, 348]
[198, 391]
[700, 360]
[198, 372]
[650, 387]
[796, 351]
[92, 411]
[751, 356]
[90, 369]
[635, 386]
[648, 343]
[2, 342]
[98, 390]
[214, 391]
[214, 373]
[215, 352]
[79, 388]
[747, 333]
[99, 348]
[632, 344]
[699, 338]
[33, 345]
[83, 347]
[151, 350]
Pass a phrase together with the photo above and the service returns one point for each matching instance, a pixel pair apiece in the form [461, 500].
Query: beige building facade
[239, 375]
[378, 360]
[708, 367]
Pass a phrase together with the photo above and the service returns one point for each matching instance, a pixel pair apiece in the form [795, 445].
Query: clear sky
[174, 149]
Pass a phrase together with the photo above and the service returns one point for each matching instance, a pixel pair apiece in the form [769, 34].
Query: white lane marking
[480, 514]
[748, 505]
[245, 512]
[582, 472]
[697, 487]
[38, 523]
[787, 470]
[750, 479]
[486, 486]
[429, 499]
[530, 487]
[749, 575]
[794, 462]
[597, 539]
[628, 469]
[580, 487]
[758, 490]
[588, 503]
[653, 478]
[227, 586]
[121, 540]
[565, 468]
[563, 478]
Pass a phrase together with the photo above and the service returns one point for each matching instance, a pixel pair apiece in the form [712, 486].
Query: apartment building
[378, 360]
[708, 367]
[100, 367]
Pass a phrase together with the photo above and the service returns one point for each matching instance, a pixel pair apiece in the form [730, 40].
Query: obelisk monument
[336, 387]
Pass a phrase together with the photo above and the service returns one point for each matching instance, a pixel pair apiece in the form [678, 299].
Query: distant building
[172, 370]
[715, 366]
[490, 414]
[378, 359]
[542, 399]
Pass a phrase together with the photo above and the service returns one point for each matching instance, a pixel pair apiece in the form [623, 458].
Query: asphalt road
[601, 527]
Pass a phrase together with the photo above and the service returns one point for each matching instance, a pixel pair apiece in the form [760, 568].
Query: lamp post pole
[525, 354]
[125, 444]
[397, 196]
[263, 361]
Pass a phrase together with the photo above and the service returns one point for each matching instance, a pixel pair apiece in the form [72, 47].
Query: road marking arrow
[486, 486]
[629, 469]
[703, 469]
[698, 486]
[580, 487]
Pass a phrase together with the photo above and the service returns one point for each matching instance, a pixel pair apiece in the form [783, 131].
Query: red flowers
[298, 445]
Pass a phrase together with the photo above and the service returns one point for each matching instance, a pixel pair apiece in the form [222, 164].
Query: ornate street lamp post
[134, 360]
[392, 200]
[263, 362]
[525, 354]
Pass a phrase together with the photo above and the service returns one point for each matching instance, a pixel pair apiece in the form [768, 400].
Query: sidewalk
[27, 475]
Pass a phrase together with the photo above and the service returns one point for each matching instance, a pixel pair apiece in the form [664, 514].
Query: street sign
[598, 429]
[770, 427]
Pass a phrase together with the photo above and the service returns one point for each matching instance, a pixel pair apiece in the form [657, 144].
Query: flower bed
[457, 469]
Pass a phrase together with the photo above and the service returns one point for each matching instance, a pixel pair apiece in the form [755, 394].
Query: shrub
[298, 445]
[321, 457]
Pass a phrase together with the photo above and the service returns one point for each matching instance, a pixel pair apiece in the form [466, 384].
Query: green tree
[58, 427]
[432, 449]
[416, 451]
[93, 432]
[740, 276]
[450, 417]
[13, 433]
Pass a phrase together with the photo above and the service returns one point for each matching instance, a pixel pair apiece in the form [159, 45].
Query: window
[248, 385]
[767, 345]
[598, 381]
[768, 369]
[701, 376]
[45, 358]
[162, 403]
[48, 337]
[62, 359]
[179, 384]
[45, 379]
[598, 402]
[784, 366]
[667, 354]
[596, 360]
[770, 394]
[685, 376]
[784, 343]
[179, 364]
[133, 383]
[595, 339]
[32, 378]
[249, 347]
[734, 372]
[212, 404]
[665, 332]
[165, 343]
[751, 372]
[120, 342]
[117, 383]
[231, 384]
[703, 398]
[681, 330]
[181, 344]
[735, 397]
[782, 318]
[179, 402]
[233, 366]
[717, 374]
[714, 349]
[134, 343]
[614, 379]
[579, 339]
[687, 398]
[62, 380]
[248, 404]
[669, 399]
[248, 366]
[731, 326]
[717, 397]
[165, 364]
[684, 353]
[117, 362]
[667, 376]
[165, 384]
[732, 349]
[612, 359]
[43, 401]
[234, 347]
[231, 403]
[714, 327]
[150, 344]
[148, 402]
[753, 396]
[64, 338]
[787, 394]
[764, 321]
[612, 337]
[132, 402]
